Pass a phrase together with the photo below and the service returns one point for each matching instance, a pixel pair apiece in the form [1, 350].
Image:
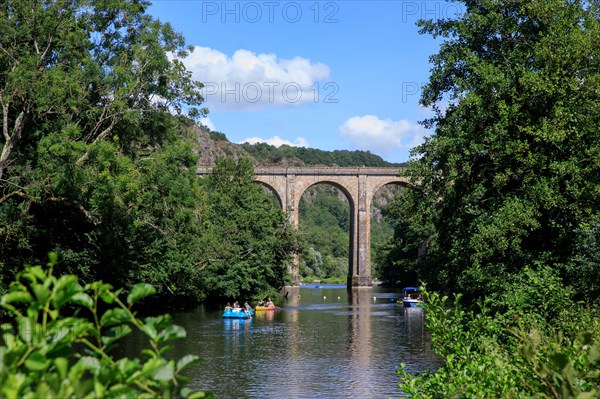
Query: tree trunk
[11, 142]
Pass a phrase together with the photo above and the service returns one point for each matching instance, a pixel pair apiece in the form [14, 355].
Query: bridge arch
[381, 183]
[352, 222]
[359, 184]
[273, 190]
[301, 189]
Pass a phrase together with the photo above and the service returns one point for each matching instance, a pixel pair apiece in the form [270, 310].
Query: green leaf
[148, 353]
[164, 349]
[37, 272]
[89, 363]
[188, 361]
[65, 288]
[151, 365]
[41, 293]
[107, 297]
[16, 296]
[37, 361]
[149, 330]
[52, 258]
[140, 291]
[588, 395]
[198, 395]
[29, 331]
[171, 332]
[136, 376]
[60, 351]
[83, 299]
[115, 333]
[114, 316]
[70, 328]
[12, 385]
[165, 372]
[128, 366]
[99, 388]
[42, 390]
[62, 365]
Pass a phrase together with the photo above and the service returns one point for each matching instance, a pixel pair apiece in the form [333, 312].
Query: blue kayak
[237, 313]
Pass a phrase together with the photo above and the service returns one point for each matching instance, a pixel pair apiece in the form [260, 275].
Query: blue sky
[322, 74]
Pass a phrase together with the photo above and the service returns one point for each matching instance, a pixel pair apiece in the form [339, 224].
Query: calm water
[324, 343]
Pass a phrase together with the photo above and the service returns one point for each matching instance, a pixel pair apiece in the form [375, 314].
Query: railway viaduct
[359, 184]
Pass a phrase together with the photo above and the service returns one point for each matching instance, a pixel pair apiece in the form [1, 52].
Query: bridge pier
[362, 235]
[294, 270]
[360, 281]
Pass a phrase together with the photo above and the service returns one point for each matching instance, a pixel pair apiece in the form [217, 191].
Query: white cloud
[381, 136]
[277, 141]
[247, 80]
[208, 123]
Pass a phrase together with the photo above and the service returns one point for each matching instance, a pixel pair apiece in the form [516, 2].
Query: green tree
[266, 153]
[114, 218]
[585, 264]
[511, 171]
[103, 68]
[247, 241]
[96, 160]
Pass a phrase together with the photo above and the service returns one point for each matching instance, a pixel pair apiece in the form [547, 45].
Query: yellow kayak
[259, 308]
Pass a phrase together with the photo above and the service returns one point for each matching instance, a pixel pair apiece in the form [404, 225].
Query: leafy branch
[49, 352]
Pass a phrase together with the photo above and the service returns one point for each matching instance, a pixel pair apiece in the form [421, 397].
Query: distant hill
[215, 144]
[268, 154]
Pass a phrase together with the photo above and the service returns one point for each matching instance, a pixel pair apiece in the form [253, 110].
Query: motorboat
[411, 297]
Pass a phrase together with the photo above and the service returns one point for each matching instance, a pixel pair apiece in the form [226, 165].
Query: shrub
[486, 358]
[58, 341]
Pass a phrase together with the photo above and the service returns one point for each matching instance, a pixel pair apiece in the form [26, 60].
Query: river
[325, 342]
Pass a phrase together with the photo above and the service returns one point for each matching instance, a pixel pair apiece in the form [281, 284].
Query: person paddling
[248, 309]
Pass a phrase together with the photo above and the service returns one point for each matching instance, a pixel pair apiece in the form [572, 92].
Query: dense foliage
[398, 259]
[98, 159]
[505, 203]
[93, 164]
[324, 228]
[511, 176]
[515, 355]
[217, 136]
[297, 156]
[246, 239]
[60, 336]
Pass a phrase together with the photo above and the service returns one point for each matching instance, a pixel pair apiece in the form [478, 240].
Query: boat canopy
[410, 289]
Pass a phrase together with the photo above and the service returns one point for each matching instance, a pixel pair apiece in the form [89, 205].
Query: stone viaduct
[359, 184]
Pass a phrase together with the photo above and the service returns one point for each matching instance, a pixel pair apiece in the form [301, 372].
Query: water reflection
[237, 325]
[265, 315]
[324, 343]
[292, 296]
[359, 340]
[418, 337]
